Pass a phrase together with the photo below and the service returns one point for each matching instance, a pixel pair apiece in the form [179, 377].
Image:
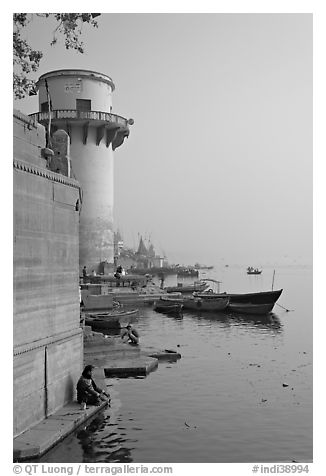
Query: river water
[224, 401]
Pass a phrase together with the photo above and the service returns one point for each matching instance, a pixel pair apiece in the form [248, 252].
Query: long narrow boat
[198, 304]
[265, 297]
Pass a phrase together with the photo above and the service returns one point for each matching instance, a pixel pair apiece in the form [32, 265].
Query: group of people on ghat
[118, 273]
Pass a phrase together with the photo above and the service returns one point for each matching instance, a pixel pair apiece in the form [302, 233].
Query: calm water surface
[224, 401]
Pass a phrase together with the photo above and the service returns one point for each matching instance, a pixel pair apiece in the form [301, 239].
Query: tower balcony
[110, 127]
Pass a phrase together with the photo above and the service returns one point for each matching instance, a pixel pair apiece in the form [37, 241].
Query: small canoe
[167, 307]
[248, 308]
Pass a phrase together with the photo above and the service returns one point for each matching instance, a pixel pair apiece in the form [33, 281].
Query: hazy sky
[218, 165]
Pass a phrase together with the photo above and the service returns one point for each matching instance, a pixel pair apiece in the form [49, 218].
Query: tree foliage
[26, 60]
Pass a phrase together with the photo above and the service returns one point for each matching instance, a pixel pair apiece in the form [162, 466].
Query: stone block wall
[48, 345]
[29, 139]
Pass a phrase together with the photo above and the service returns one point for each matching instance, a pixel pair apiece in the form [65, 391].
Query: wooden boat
[187, 289]
[167, 306]
[202, 266]
[198, 304]
[251, 270]
[109, 320]
[265, 297]
[249, 308]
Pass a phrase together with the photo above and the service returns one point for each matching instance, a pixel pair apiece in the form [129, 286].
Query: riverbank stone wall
[47, 338]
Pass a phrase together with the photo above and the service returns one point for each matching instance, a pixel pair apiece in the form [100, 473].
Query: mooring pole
[273, 279]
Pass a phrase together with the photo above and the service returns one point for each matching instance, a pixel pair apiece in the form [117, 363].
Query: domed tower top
[78, 89]
[83, 98]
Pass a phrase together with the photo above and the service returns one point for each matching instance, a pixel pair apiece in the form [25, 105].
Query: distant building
[158, 262]
[143, 258]
[118, 245]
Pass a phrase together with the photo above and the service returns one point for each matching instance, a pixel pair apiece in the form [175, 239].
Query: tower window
[83, 105]
[44, 107]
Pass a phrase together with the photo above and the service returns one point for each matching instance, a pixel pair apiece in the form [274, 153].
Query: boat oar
[287, 310]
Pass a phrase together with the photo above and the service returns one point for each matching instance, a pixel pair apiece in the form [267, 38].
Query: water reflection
[177, 315]
[266, 322]
[102, 441]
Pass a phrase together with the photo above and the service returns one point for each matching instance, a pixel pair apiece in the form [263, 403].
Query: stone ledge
[119, 359]
[40, 438]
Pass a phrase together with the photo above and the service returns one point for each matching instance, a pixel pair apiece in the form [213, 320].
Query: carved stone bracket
[111, 135]
[99, 134]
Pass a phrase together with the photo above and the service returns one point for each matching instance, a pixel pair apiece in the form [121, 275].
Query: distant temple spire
[142, 250]
[151, 251]
[117, 236]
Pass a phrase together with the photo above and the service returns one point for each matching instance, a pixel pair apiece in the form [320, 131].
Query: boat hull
[168, 308]
[199, 304]
[110, 320]
[248, 308]
[267, 297]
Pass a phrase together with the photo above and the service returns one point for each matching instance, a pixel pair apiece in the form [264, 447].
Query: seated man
[87, 391]
[130, 335]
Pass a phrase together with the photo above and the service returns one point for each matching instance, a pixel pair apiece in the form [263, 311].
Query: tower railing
[74, 114]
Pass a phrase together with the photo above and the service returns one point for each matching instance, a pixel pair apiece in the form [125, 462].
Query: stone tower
[80, 102]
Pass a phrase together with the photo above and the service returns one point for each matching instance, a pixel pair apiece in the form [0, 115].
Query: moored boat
[198, 304]
[109, 320]
[265, 297]
[167, 307]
